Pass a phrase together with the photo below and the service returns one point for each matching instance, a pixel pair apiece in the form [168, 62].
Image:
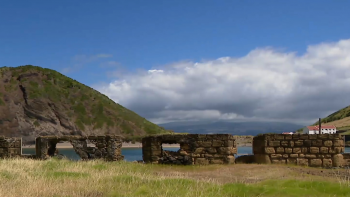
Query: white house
[325, 129]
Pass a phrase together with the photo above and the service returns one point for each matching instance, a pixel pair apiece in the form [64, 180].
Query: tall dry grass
[24, 177]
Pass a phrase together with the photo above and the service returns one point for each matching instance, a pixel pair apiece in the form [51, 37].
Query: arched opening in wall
[175, 153]
[62, 149]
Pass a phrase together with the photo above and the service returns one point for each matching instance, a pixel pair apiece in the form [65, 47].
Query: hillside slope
[340, 119]
[37, 101]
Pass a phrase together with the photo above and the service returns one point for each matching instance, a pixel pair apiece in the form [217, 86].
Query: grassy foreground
[23, 177]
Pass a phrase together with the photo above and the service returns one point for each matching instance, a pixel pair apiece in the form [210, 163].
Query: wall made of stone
[315, 150]
[194, 149]
[10, 147]
[106, 147]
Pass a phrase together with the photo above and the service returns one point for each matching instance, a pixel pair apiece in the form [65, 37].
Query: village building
[325, 129]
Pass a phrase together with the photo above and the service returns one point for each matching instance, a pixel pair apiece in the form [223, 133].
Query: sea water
[133, 154]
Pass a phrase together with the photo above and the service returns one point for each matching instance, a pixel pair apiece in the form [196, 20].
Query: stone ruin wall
[318, 150]
[106, 147]
[10, 147]
[194, 149]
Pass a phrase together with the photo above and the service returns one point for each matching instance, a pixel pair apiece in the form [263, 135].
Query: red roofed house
[325, 129]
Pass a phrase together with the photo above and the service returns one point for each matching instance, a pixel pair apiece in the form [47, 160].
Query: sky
[185, 60]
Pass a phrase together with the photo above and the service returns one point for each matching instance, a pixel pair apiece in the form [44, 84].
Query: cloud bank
[265, 85]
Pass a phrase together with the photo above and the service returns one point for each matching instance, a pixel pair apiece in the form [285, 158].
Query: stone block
[276, 156]
[298, 143]
[274, 143]
[317, 143]
[279, 150]
[301, 155]
[288, 150]
[310, 156]
[305, 150]
[199, 150]
[307, 143]
[228, 143]
[293, 155]
[315, 163]
[314, 150]
[279, 136]
[312, 137]
[327, 163]
[338, 160]
[284, 143]
[291, 143]
[208, 155]
[211, 150]
[296, 136]
[201, 161]
[195, 155]
[270, 150]
[230, 159]
[323, 136]
[278, 161]
[327, 143]
[296, 150]
[225, 150]
[218, 143]
[205, 144]
[324, 150]
[288, 137]
[338, 143]
[335, 150]
[320, 155]
[302, 162]
[304, 136]
[262, 158]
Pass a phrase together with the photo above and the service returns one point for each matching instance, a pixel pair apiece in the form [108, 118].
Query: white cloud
[155, 71]
[266, 84]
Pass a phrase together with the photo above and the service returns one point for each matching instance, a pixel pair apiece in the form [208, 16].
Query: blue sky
[110, 42]
[146, 34]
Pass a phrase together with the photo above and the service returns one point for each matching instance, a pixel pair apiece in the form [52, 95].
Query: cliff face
[36, 101]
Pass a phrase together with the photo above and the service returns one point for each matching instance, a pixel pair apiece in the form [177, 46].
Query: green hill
[38, 101]
[340, 119]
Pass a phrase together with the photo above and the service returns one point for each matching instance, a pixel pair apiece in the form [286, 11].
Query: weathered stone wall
[106, 147]
[194, 149]
[10, 147]
[322, 150]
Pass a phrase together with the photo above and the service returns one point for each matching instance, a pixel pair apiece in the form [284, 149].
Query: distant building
[288, 133]
[325, 129]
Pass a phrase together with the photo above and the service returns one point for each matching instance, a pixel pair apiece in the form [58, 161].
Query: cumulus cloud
[265, 84]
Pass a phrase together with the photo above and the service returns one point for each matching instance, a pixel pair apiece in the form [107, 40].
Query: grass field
[21, 177]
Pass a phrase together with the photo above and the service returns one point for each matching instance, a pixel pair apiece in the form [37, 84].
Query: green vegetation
[338, 115]
[86, 107]
[97, 178]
